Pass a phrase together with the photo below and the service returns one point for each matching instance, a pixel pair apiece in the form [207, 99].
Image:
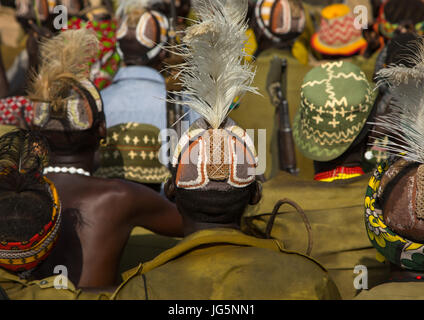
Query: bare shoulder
[118, 189]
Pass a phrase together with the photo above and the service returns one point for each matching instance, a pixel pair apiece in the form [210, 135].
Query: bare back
[98, 217]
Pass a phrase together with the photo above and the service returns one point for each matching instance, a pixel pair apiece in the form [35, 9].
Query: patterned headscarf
[105, 66]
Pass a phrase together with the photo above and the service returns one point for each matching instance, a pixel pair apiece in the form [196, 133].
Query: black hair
[399, 12]
[25, 202]
[23, 214]
[220, 207]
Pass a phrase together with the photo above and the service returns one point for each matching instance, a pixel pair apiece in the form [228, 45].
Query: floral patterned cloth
[107, 64]
[396, 249]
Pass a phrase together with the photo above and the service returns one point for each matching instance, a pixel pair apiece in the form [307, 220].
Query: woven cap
[336, 100]
[337, 34]
[280, 20]
[214, 159]
[131, 152]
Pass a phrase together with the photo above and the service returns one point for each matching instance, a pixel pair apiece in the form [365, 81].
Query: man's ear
[101, 130]
[256, 194]
[170, 190]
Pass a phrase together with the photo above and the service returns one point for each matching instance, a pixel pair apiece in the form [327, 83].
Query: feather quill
[405, 121]
[214, 72]
[67, 55]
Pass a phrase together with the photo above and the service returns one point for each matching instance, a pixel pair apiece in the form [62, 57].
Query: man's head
[336, 102]
[277, 23]
[142, 34]
[67, 106]
[394, 213]
[213, 177]
[395, 196]
[395, 17]
[29, 204]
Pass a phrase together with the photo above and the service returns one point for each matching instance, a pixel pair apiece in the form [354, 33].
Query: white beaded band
[71, 170]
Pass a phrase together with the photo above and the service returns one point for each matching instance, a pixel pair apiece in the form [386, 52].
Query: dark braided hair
[25, 201]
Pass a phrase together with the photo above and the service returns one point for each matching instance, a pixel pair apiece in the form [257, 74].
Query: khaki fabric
[144, 245]
[19, 289]
[11, 32]
[257, 112]
[226, 264]
[336, 214]
[394, 291]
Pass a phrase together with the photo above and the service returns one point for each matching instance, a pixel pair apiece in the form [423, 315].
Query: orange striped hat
[337, 34]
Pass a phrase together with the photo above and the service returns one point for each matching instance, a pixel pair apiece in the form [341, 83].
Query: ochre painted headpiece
[280, 20]
[215, 154]
[224, 155]
[63, 97]
[148, 27]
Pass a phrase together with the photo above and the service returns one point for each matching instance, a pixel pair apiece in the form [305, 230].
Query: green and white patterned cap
[336, 100]
[131, 152]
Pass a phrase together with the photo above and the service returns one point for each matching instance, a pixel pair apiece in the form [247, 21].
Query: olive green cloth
[20, 289]
[257, 112]
[336, 213]
[226, 264]
[394, 291]
[142, 246]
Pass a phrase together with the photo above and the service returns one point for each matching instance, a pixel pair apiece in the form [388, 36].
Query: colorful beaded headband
[26, 255]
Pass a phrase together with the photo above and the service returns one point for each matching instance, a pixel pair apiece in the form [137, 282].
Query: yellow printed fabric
[226, 264]
[336, 213]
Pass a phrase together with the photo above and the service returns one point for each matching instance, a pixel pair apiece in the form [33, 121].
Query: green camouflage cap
[336, 100]
[131, 152]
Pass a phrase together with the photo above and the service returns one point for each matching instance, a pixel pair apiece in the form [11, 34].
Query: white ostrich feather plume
[405, 122]
[214, 72]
